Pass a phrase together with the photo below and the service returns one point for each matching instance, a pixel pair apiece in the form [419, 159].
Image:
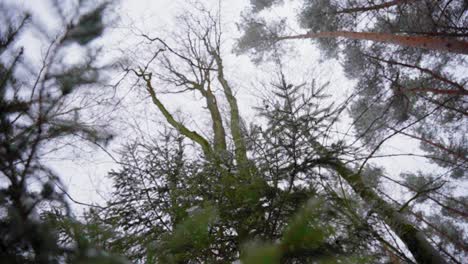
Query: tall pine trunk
[374, 7]
[422, 42]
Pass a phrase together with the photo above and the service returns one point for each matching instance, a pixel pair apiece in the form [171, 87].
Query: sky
[84, 170]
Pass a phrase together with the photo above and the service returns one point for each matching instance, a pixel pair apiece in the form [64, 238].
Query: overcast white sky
[85, 172]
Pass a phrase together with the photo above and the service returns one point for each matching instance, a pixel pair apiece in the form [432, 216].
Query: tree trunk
[434, 144]
[414, 239]
[422, 42]
[218, 128]
[374, 7]
[238, 138]
[435, 75]
[435, 91]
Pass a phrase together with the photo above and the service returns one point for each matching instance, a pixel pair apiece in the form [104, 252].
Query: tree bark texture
[422, 42]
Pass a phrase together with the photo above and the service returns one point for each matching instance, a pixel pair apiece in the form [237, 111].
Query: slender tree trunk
[422, 42]
[435, 91]
[434, 144]
[435, 75]
[218, 128]
[238, 138]
[375, 7]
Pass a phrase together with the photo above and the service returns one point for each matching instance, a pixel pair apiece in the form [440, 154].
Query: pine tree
[406, 90]
[35, 113]
[272, 192]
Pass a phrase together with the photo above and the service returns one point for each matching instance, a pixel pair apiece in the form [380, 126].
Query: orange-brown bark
[437, 145]
[422, 42]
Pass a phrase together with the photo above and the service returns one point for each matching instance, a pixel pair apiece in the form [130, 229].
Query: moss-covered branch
[238, 138]
[217, 121]
[194, 136]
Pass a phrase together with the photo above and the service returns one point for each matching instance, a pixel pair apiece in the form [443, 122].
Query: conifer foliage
[400, 53]
[282, 190]
[35, 113]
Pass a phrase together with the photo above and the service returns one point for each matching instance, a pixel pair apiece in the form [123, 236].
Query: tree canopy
[289, 187]
[37, 113]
